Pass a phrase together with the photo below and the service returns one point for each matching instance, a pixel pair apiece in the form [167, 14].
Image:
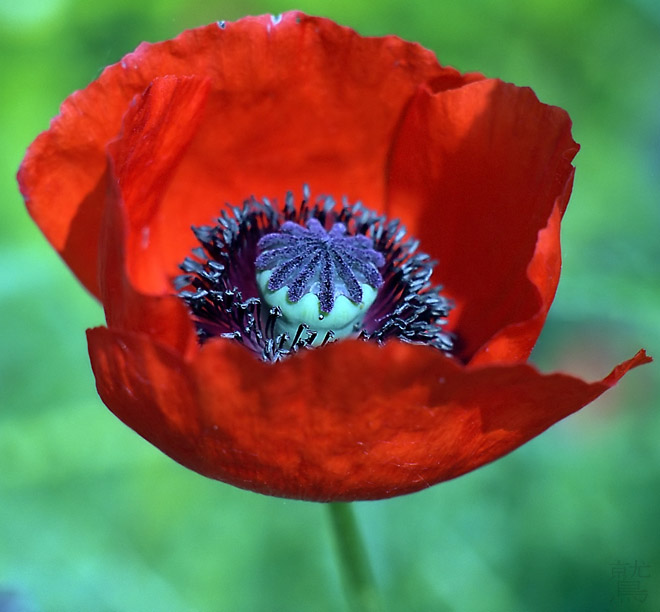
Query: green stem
[358, 580]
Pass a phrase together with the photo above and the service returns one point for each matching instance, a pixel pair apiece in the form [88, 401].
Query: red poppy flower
[478, 170]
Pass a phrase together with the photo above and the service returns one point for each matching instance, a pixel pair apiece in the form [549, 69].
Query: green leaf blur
[92, 518]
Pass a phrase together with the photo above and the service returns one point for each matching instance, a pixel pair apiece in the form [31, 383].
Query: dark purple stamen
[314, 260]
[219, 282]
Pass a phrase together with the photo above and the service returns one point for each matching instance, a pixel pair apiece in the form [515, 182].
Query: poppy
[420, 204]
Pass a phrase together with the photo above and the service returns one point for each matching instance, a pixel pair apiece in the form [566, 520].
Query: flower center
[323, 279]
[281, 279]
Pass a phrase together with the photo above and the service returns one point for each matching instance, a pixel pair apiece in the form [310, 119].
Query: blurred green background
[92, 518]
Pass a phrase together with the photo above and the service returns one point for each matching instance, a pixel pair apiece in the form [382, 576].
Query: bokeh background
[92, 518]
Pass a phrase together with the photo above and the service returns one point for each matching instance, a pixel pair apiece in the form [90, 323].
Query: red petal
[272, 123]
[514, 342]
[476, 173]
[156, 132]
[352, 421]
[166, 319]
